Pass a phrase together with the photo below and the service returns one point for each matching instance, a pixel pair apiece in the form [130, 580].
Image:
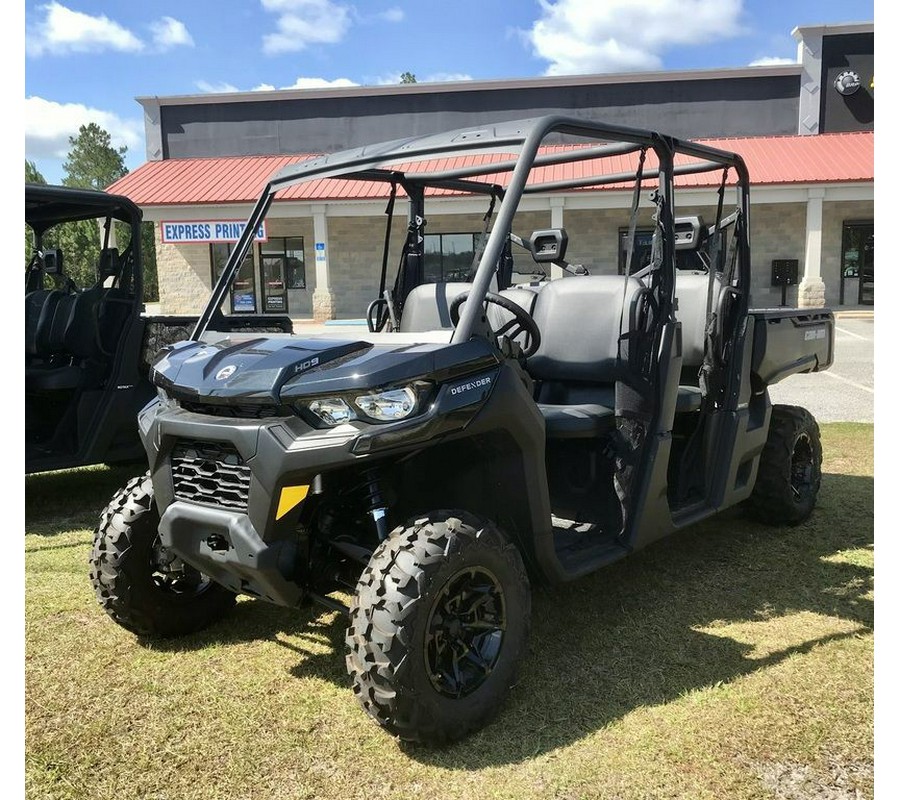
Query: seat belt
[383, 292]
[708, 366]
[479, 248]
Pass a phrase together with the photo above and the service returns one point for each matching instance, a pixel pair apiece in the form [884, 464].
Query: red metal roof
[771, 160]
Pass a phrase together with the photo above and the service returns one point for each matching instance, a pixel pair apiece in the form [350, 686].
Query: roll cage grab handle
[364, 164]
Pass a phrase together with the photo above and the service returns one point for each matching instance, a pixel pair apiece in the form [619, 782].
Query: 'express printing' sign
[203, 231]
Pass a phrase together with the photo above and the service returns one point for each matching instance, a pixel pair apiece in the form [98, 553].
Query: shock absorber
[373, 501]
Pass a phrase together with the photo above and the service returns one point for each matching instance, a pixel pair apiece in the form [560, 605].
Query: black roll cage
[47, 206]
[381, 163]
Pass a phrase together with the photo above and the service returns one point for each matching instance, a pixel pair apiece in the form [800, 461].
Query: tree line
[92, 163]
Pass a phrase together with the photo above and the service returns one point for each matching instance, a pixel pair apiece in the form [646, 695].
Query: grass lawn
[730, 661]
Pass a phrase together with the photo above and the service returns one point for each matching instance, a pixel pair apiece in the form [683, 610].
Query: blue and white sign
[320, 251]
[207, 231]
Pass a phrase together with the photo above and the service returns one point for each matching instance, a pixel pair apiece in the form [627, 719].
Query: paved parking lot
[846, 392]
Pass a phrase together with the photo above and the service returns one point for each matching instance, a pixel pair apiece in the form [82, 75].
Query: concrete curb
[854, 315]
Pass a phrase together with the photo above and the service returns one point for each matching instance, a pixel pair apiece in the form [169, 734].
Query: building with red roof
[806, 132]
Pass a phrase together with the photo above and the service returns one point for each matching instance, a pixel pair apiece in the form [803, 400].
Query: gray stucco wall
[733, 106]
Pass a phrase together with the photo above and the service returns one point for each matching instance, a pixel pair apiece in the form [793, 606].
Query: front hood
[279, 369]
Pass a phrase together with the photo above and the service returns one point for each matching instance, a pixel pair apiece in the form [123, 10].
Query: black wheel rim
[173, 576]
[802, 464]
[465, 632]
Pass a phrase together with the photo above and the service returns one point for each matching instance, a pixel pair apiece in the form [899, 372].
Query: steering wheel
[522, 321]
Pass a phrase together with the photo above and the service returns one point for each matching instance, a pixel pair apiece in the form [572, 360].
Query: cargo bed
[787, 341]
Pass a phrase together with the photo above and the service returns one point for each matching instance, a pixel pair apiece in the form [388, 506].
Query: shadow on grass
[72, 499]
[628, 636]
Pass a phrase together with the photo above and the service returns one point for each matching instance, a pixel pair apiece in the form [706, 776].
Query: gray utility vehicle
[481, 437]
[88, 348]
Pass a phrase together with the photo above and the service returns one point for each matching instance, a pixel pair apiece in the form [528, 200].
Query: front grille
[246, 411]
[210, 472]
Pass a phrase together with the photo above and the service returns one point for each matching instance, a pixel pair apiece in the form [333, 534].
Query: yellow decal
[291, 497]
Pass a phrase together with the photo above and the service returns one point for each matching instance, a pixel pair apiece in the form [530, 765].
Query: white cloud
[443, 77]
[62, 30]
[169, 32]
[302, 23]
[215, 87]
[319, 83]
[385, 80]
[771, 61]
[48, 126]
[392, 15]
[583, 36]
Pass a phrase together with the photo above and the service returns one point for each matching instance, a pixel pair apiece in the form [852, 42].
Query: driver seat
[575, 366]
[427, 307]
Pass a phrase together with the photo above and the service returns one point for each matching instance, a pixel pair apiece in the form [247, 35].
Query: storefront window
[449, 256]
[282, 267]
[243, 290]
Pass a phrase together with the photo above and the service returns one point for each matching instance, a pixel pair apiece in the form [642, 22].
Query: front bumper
[217, 482]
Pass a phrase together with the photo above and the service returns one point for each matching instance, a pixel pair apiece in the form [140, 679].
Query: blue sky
[87, 61]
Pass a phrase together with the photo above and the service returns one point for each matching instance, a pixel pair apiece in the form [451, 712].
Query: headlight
[332, 410]
[388, 406]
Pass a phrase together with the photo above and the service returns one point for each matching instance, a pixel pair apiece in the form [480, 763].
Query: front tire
[141, 586]
[790, 468]
[438, 626]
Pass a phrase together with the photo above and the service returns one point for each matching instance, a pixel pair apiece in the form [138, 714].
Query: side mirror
[53, 262]
[109, 262]
[549, 246]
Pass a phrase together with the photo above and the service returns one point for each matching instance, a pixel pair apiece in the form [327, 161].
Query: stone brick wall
[777, 230]
[184, 276]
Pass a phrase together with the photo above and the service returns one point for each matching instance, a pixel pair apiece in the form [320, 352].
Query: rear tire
[438, 626]
[790, 468]
[142, 587]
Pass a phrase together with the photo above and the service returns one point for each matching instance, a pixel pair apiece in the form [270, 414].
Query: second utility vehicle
[88, 348]
[483, 436]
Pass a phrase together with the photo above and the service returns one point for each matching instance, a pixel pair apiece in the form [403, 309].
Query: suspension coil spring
[368, 488]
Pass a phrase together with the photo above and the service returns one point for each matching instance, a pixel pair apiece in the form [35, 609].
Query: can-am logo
[226, 372]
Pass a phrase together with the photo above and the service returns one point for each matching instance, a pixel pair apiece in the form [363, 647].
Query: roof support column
[323, 297]
[811, 292]
[557, 204]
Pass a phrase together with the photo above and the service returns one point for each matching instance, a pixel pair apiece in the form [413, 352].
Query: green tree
[32, 174]
[408, 77]
[93, 163]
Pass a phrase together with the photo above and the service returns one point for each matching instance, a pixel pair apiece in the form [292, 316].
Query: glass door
[281, 268]
[858, 264]
[273, 283]
[243, 292]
